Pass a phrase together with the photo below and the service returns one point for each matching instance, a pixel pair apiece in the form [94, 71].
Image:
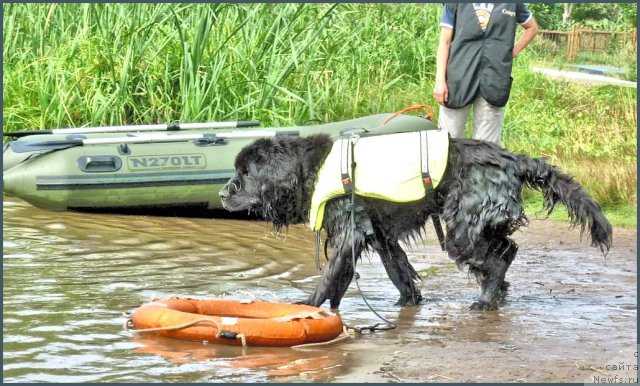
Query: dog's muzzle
[229, 196]
[224, 193]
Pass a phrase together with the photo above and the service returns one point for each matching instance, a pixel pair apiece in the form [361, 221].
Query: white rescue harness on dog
[401, 167]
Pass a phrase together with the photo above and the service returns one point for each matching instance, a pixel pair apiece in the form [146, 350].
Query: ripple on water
[17, 255]
[22, 339]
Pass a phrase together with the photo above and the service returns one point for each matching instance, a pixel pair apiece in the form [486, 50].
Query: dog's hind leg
[399, 270]
[490, 271]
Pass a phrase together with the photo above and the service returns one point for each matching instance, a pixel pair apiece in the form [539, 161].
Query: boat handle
[99, 163]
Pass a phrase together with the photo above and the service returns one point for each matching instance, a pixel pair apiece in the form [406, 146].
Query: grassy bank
[589, 131]
[69, 65]
[619, 215]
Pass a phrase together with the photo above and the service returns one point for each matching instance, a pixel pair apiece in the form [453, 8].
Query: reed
[78, 64]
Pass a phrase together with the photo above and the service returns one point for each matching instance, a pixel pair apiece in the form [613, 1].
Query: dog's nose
[224, 192]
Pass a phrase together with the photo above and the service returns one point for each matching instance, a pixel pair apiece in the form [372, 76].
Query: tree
[604, 16]
[601, 16]
[548, 15]
[566, 16]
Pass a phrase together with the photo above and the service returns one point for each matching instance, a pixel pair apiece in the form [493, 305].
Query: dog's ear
[280, 176]
[282, 203]
[280, 179]
[254, 153]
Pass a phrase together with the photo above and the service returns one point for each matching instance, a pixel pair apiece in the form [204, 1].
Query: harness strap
[424, 162]
[347, 183]
[317, 247]
[428, 184]
[435, 218]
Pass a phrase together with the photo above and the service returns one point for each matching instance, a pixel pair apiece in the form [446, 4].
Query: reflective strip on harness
[428, 185]
[344, 165]
[424, 162]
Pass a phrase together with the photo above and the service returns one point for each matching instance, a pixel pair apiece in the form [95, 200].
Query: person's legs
[453, 120]
[487, 121]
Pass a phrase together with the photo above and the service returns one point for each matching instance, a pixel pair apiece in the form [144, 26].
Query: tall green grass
[71, 65]
[79, 64]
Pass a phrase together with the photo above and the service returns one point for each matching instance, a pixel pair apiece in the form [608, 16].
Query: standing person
[473, 64]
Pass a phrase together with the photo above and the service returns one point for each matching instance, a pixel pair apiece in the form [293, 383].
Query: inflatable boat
[150, 170]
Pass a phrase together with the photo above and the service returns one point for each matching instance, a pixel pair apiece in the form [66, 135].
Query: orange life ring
[233, 321]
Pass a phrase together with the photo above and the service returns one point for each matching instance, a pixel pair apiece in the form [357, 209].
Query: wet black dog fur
[479, 199]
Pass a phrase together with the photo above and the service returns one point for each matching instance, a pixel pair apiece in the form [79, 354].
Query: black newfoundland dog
[479, 199]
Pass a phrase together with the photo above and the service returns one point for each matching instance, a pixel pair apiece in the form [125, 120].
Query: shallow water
[68, 278]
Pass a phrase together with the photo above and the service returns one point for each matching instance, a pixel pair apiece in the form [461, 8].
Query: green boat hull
[149, 175]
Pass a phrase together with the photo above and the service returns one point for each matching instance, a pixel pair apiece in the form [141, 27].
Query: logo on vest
[483, 12]
[509, 13]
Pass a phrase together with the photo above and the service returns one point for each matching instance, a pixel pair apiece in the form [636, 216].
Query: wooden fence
[581, 40]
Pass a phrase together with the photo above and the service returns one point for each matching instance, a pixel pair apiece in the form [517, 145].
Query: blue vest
[481, 61]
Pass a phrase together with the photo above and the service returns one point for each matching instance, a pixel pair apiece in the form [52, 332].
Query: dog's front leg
[339, 271]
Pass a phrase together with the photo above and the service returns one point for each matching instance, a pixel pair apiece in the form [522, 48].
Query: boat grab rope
[428, 115]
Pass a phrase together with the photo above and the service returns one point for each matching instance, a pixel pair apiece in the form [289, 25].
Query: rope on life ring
[317, 315]
[129, 327]
[347, 333]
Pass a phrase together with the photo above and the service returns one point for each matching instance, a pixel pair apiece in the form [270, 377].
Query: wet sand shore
[571, 316]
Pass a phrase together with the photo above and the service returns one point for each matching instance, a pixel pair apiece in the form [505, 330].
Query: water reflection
[258, 364]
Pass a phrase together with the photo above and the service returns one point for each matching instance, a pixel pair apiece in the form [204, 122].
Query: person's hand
[516, 50]
[441, 92]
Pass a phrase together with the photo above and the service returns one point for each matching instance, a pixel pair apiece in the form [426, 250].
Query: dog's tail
[558, 187]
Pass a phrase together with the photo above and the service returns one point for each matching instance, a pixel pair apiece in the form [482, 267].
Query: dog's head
[274, 178]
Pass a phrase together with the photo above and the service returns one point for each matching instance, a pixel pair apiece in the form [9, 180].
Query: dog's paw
[410, 300]
[504, 286]
[313, 300]
[483, 306]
